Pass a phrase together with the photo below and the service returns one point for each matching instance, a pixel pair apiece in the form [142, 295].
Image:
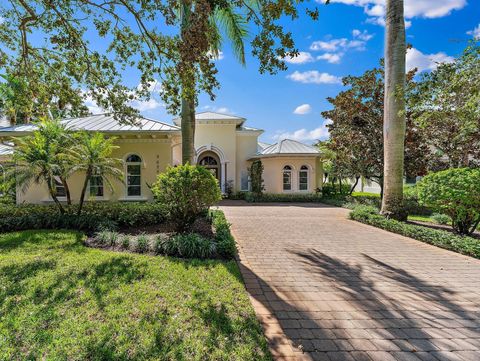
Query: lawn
[60, 300]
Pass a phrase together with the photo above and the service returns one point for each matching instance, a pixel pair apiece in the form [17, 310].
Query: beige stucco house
[224, 144]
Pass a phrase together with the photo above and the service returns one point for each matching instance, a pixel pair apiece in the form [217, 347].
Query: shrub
[225, 243]
[189, 245]
[107, 238]
[125, 243]
[329, 189]
[280, 197]
[411, 202]
[440, 238]
[256, 177]
[441, 218]
[142, 244]
[456, 193]
[96, 216]
[186, 192]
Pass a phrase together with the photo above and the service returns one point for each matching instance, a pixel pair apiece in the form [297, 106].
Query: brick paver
[328, 288]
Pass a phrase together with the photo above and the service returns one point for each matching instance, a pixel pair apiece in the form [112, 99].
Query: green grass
[421, 218]
[365, 194]
[60, 300]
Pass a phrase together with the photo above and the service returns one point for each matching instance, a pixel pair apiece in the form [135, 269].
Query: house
[223, 143]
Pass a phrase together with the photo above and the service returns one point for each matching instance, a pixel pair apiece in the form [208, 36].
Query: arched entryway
[211, 161]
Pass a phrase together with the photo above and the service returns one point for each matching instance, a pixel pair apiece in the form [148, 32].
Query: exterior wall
[156, 154]
[221, 139]
[246, 148]
[273, 173]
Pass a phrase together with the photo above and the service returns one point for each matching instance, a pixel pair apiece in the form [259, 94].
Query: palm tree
[92, 154]
[223, 19]
[41, 158]
[394, 110]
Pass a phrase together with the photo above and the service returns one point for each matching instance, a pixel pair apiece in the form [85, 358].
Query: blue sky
[347, 39]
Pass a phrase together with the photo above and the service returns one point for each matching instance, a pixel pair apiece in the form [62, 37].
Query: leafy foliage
[186, 192]
[356, 132]
[444, 239]
[256, 177]
[96, 216]
[456, 193]
[447, 109]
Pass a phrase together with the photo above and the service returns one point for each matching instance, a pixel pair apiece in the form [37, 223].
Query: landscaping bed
[209, 237]
[62, 300]
[441, 238]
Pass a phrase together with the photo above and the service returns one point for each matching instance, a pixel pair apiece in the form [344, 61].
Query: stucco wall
[156, 154]
[273, 173]
[246, 148]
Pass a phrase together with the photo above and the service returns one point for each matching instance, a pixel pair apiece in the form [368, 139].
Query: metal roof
[213, 116]
[102, 123]
[5, 150]
[261, 146]
[288, 147]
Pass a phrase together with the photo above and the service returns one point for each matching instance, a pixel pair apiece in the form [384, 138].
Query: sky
[347, 39]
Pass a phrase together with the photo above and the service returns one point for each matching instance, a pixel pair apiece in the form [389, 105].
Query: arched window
[133, 176]
[212, 163]
[303, 178]
[287, 178]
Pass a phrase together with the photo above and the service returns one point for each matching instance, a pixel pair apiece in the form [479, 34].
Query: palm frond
[235, 26]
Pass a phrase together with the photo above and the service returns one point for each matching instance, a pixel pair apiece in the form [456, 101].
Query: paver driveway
[327, 288]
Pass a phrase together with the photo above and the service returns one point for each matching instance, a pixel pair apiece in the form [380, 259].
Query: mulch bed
[442, 227]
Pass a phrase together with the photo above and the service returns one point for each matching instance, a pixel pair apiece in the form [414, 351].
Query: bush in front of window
[186, 192]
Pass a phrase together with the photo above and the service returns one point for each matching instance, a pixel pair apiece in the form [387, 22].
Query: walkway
[327, 288]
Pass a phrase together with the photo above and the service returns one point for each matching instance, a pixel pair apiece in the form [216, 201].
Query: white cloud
[314, 77]
[332, 58]
[218, 56]
[303, 109]
[301, 58]
[305, 135]
[416, 59]
[336, 48]
[362, 35]
[144, 105]
[413, 8]
[223, 110]
[475, 32]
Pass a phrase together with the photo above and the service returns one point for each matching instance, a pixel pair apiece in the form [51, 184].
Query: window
[96, 186]
[134, 175]
[60, 189]
[303, 178]
[287, 178]
[212, 164]
[245, 181]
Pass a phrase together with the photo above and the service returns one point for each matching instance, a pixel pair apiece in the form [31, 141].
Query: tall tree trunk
[354, 185]
[394, 111]
[188, 131]
[88, 175]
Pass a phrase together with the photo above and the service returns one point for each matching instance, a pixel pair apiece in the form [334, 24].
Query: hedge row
[279, 197]
[462, 244]
[94, 216]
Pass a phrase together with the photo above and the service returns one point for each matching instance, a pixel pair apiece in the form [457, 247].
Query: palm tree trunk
[394, 112]
[67, 190]
[54, 197]
[88, 175]
[188, 131]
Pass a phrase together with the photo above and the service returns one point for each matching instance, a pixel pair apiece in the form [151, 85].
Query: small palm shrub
[189, 245]
[142, 245]
[107, 238]
[125, 242]
[186, 192]
[456, 193]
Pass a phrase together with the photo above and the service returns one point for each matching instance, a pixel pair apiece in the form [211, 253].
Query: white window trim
[100, 198]
[292, 186]
[126, 164]
[308, 178]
